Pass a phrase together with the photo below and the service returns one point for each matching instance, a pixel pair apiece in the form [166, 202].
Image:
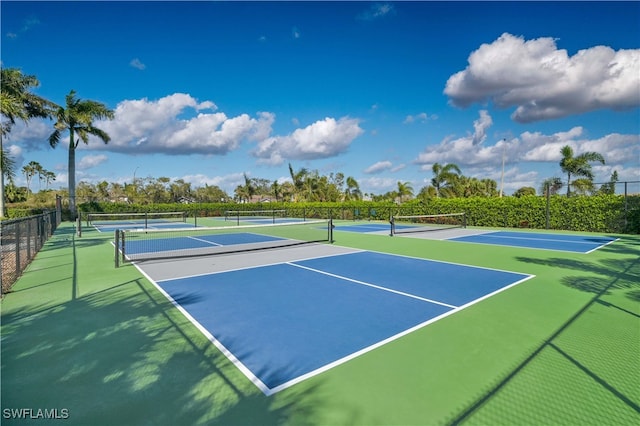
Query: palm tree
[7, 165]
[353, 191]
[17, 103]
[77, 118]
[583, 186]
[610, 187]
[443, 175]
[579, 165]
[298, 178]
[30, 170]
[276, 190]
[553, 185]
[249, 188]
[404, 189]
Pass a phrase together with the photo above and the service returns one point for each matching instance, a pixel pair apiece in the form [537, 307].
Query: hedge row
[601, 213]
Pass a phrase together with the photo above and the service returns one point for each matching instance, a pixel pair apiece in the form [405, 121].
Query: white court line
[280, 262]
[538, 239]
[413, 296]
[270, 391]
[226, 352]
[599, 247]
[387, 340]
[205, 241]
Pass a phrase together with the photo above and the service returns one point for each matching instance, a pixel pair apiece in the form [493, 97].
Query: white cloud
[144, 126]
[378, 167]
[89, 161]
[322, 139]
[32, 136]
[421, 117]
[463, 150]
[480, 127]
[137, 63]
[376, 11]
[378, 184]
[621, 152]
[544, 82]
[227, 182]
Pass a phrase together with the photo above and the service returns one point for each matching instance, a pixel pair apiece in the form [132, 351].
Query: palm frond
[54, 138]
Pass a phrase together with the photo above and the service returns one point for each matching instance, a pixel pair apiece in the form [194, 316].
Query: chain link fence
[20, 241]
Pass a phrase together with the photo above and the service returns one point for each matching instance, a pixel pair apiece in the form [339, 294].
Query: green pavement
[94, 345]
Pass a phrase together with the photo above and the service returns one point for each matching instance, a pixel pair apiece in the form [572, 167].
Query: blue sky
[207, 91]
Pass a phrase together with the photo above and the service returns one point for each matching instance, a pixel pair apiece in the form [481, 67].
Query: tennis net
[140, 244]
[255, 216]
[134, 220]
[422, 223]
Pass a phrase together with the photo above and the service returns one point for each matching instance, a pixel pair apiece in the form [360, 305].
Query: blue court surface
[559, 242]
[285, 322]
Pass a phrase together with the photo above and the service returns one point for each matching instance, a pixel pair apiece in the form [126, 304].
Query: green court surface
[95, 345]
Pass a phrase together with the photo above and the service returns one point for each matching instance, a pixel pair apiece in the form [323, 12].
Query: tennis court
[558, 242]
[275, 323]
[342, 305]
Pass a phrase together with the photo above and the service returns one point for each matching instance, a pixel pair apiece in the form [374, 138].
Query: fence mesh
[20, 241]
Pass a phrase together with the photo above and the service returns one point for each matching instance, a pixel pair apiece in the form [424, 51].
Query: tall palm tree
[77, 119]
[353, 191]
[17, 103]
[579, 165]
[276, 190]
[249, 188]
[404, 189]
[298, 178]
[443, 175]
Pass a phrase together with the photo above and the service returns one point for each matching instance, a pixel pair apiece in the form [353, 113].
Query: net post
[331, 240]
[123, 259]
[273, 215]
[79, 226]
[146, 220]
[116, 244]
[464, 219]
[392, 222]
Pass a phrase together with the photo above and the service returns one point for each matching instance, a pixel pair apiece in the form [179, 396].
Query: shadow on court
[124, 355]
[588, 362]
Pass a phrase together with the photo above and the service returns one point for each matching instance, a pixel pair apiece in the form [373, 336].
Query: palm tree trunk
[2, 207]
[72, 175]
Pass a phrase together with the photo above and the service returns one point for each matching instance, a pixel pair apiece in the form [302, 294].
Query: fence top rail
[5, 222]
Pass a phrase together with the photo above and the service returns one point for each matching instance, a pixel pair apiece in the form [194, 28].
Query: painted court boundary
[498, 236]
[270, 391]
